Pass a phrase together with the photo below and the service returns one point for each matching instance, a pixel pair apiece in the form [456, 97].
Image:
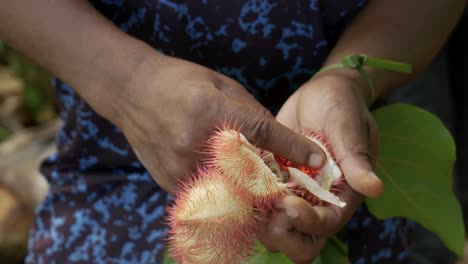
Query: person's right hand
[171, 106]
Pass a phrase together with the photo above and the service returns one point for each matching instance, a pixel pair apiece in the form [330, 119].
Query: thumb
[262, 130]
[355, 146]
[359, 175]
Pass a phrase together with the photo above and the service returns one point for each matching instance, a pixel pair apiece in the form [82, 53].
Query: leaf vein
[399, 189]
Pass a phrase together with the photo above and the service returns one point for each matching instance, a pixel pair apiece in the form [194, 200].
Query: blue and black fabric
[103, 206]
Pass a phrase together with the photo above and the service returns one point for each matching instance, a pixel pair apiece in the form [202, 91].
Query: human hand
[335, 105]
[171, 106]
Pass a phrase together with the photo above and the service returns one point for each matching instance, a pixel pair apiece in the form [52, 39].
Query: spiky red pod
[214, 215]
[210, 222]
[245, 166]
[329, 177]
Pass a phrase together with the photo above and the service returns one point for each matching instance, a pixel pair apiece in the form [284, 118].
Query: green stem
[358, 61]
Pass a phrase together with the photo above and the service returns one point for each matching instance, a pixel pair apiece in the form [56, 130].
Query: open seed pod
[317, 185]
[246, 166]
[210, 222]
[214, 215]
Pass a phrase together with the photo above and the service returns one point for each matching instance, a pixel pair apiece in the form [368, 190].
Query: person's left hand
[334, 104]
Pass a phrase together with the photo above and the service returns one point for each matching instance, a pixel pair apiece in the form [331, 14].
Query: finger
[277, 227]
[314, 220]
[353, 201]
[322, 221]
[262, 130]
[359, 175]
[280, 235]
[350, 142]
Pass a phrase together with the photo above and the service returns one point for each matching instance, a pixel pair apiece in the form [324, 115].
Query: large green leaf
[415, 162]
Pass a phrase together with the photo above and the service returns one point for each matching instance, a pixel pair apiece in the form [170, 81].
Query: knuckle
[230, 85]
[261, 130]
[197, 98]
[292, 149]
[183, 142]
[360, 151]
[200, 89]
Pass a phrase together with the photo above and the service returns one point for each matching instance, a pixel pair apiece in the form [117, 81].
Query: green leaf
[388, 65]
[263, 256]
[3, 134]
[33, 98]
[2, 49]
[415, 163]
[15, 62]
[357, 61]
[333, 252]
[167, 259]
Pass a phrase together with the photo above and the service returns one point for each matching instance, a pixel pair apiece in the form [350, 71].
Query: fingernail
[372, 174]
[292, 212]
[315, 160]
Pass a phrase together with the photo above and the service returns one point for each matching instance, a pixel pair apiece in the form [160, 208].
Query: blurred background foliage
[28, 121]
[33, 102]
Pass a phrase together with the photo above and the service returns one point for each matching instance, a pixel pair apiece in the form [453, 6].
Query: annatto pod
[214, 214]
[246, 166]
[210, 222]
[317, 185]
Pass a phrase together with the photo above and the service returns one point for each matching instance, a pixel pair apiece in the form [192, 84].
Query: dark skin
[336, 103]
[199, 101]
[355, 147]
[167, 107]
